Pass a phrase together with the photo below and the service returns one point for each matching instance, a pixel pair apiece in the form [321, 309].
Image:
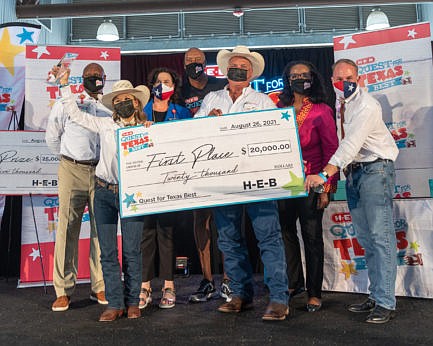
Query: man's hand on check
[215, 112]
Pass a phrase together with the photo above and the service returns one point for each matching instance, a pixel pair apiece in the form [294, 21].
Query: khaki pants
[76, 189]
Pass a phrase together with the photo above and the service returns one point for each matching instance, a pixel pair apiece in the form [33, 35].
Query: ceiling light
[107, 31]
[377, 20]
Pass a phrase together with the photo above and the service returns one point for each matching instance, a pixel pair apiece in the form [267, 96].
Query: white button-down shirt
[249, 100]
[366, 136]
[64, 137]
[105, 127]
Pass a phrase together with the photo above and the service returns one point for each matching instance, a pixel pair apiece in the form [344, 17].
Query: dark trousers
[310, 219]
[158, 234]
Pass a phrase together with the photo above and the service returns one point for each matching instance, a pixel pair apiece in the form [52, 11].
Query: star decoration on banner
[8, 52]
[411, 33]
[34, 254]
[134, 208]
[41, 50]
[346, 40]
[285, 115]
[104, 55]
[26, 36]
[348, 269]
[129, 199]
[139, 194]
[414, 245]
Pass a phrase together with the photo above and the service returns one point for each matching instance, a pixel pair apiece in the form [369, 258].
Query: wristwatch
[325, 174]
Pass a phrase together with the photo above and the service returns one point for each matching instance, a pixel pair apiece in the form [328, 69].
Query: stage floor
[26, 319]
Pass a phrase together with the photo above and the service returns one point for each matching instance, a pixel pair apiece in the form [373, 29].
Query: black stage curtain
[136, 68]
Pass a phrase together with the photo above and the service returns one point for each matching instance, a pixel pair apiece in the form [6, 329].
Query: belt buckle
[346, 170]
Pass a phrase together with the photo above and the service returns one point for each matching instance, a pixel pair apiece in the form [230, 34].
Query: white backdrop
[395, 65]
[345, 268]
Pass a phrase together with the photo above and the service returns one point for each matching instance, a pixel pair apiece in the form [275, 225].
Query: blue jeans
[265, 221]
[369, 192]
[106, 215]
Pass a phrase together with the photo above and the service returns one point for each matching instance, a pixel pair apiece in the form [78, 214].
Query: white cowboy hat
[256, 59]
[141, 92]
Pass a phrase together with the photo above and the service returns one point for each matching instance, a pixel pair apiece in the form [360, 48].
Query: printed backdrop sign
[395, 65]
[345, 267]
[46, 215]
[41, 95]
[13, 40]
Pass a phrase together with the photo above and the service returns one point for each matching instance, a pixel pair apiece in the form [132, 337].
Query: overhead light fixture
[238, 12]
[107, 31]
[377, 20]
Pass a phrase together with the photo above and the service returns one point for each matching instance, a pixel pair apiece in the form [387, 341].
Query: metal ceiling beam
[112, 8]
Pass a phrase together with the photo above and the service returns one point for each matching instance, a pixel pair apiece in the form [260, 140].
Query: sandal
[168, 298]
[145, 297]
[314, 304]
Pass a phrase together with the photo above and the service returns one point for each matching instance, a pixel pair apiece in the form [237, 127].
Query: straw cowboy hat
[256, 59]
[141, 92]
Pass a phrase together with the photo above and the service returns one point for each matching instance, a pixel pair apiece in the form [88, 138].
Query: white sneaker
[225, 291]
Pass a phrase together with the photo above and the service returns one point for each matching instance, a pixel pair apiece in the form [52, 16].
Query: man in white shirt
[241, 66]
[78, 149]
[366, 154]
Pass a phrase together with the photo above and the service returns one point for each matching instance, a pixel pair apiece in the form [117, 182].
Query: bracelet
[321, 175]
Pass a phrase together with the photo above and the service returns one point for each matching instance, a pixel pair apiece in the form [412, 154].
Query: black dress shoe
[366, 306]
[380, 315]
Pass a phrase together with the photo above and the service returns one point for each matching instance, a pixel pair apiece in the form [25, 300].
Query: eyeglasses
[303, 75]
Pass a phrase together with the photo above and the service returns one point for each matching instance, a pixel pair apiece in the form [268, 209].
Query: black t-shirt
[158, 117]
[193, 97]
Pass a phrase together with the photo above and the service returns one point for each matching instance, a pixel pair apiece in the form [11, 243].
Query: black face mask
[194, 70]
[93, 83]
[301, 86]
[124, 109]
[237, 74]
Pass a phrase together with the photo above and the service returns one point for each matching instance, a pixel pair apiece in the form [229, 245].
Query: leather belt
[92, 163]
[112, 187]
[351, 167]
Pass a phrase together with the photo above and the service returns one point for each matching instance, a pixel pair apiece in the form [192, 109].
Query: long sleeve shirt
[366, 136]
[249, 100]
[65, 137]
[106, 129]
[318, 138]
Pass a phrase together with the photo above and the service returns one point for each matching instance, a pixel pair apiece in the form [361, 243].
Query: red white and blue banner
[46, 216]
[345, 268]
[13, 40]
[45, 210]
[41, 95]
[395, 65]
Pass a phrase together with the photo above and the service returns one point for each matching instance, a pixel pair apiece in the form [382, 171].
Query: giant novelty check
[210, 161]
[26, 164]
